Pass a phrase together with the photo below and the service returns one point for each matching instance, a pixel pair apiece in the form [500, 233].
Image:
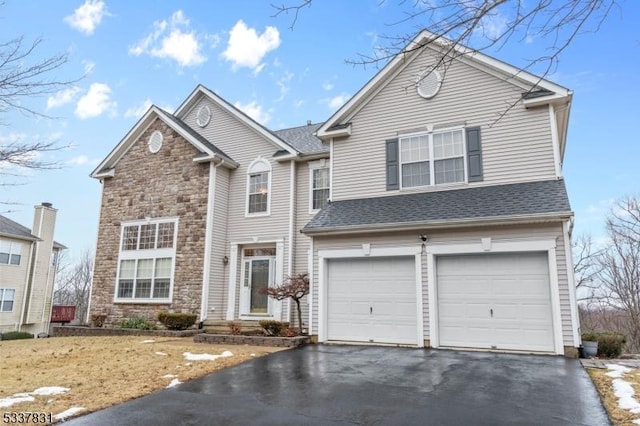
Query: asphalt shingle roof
[9, 227]
[487, 202]
[303, 138]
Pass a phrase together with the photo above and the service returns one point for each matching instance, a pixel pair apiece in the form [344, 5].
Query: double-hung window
[147, 257]
[319, 177]
[10, 252]
[7, 296]
[258, 188]
[432, 158]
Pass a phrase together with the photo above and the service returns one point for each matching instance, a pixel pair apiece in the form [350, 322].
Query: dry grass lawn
[603, 383]
[102, 371]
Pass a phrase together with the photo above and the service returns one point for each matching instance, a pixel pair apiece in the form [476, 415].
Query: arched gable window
[258, 187]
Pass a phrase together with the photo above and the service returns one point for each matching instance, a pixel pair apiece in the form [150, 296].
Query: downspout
[26, 286]
[208, 241]
[292, 179]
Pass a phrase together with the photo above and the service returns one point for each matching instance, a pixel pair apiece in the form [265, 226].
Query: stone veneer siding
[165, 184]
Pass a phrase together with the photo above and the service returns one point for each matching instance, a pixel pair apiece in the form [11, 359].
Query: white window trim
[486, 245]
[234, 284]
[13, 305]
[313, 166]
[367, 251]
[12, 245]
[269, 172]
[432, 169]
[147, 254]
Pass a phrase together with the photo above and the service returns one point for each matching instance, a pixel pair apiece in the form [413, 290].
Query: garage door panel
[495, 301]
[372, 300]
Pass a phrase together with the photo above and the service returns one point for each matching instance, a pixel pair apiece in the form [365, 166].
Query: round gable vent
[428, 84]
[203, 116]
[155, 141]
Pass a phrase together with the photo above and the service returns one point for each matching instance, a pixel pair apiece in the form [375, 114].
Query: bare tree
[73, 283]
[23, 77]
[585, 267]
[295, 288]
[619, 275]
[497, 22]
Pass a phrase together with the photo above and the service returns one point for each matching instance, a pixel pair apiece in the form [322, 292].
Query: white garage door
[372, 300]
[495, 301]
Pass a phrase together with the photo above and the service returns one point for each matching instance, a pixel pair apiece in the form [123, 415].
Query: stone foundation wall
[281, 342]
[147, 185]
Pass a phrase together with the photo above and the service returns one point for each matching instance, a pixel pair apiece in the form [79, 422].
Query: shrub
[139, 323]
[235, 328]
[271, 327]
[590, 337]
[16, 335]
[177, 321]
[610, 344]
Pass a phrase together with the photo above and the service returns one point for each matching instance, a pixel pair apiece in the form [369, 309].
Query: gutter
[452, 223]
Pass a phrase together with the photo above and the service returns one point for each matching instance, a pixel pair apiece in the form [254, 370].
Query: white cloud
[172, 39]
[247, 48]
[95, 102]
[494, 25]
[299, 103]
[337, 101]
[82, 160]
[62, 97]
[138, 110]
[283, 84]
[327, 85]
[255, 111]
[87, 17]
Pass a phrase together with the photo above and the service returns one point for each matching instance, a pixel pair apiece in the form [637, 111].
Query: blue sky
[138, 53]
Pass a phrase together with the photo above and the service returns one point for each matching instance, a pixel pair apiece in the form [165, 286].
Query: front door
[258, 274]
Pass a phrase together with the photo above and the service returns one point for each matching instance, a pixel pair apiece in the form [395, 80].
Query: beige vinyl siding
[244, 145]
[439, 236]
[218, 283]
[516, 148]
[39, 308]
[14, 277]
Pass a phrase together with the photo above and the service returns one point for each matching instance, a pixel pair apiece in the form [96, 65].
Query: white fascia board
[336, 133]
[261, 130]
[123, 145]
[547, 100]
[454, 223]
[513, 74]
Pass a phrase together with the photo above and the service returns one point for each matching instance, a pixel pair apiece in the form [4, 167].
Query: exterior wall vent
[203, 116]
[428, 83]
[155, 141]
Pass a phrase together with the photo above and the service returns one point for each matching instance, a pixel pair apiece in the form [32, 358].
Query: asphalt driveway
[321, 384]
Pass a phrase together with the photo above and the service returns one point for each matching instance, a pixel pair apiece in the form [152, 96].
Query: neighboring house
[27, 272]
[448, 223]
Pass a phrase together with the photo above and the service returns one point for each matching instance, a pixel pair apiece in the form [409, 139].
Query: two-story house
[27, 272]
[430, 210]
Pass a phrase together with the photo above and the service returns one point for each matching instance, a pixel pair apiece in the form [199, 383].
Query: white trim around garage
[367, 251]
[487, 246]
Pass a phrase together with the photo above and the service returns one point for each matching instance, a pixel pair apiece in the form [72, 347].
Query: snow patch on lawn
[622, 389]
[148, 341]
[15, 399]
[205, 357]
[636, 421]
[67, 413]
[169, 376]
[50, 390]
[174, 382]
[161, 353]
[28, 396]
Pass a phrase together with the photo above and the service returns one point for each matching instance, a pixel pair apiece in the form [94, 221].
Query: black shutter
[393, 166]
[474, 154]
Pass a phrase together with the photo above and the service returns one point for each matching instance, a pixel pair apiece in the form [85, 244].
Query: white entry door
[372, 300]
[495, 301]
